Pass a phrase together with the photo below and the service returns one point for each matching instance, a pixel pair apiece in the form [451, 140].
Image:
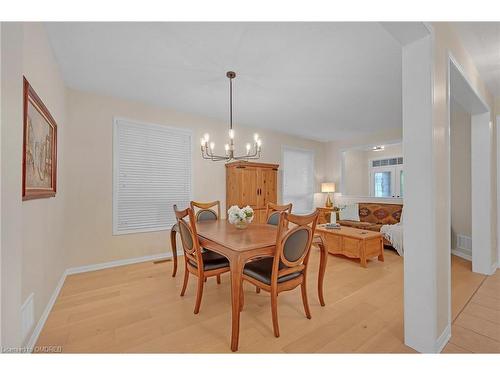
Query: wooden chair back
[273, 212]
[189, 237]
[293, 245]
[205, 210]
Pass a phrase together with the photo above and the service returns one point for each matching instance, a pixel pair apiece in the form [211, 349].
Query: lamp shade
[328, 187]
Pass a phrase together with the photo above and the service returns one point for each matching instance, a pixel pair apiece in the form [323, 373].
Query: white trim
[461, 254]
[41, 322]
[494, 267]
[497, 124]
[364, 199]
[443, 339]
[117, 263]
[75, 270]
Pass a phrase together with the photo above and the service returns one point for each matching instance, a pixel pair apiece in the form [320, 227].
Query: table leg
[381, 256]
[173, 243]
[362, 255]
[236, 271]
[322, 268]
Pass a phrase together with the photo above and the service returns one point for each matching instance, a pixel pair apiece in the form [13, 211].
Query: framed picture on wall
[39, 147]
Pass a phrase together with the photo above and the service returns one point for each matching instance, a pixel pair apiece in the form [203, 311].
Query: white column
[420, 273]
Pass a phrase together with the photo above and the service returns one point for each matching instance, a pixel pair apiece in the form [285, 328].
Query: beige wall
[11, 235]
[43, 219]
[460, 142]
[32, 229]
[355, 178]
[446, 41]
[88, 235]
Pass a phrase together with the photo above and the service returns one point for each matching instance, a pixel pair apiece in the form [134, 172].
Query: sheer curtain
[298, 179]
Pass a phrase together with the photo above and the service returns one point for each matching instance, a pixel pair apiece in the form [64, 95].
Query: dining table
[240, 246]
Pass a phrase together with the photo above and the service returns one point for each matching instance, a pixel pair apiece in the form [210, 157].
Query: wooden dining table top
[253, 237]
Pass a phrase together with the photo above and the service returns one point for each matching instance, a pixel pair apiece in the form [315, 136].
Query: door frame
[481, 153]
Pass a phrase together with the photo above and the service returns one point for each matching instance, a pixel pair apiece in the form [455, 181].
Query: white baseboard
[41, 322]
[117, 263]
[494, 268]
[462, 254]
[443, 339]
[74, 270]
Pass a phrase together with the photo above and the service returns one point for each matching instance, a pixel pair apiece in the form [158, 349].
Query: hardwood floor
[137, 308]
[476, 328]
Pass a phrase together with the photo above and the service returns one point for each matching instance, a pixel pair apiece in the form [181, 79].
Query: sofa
[373, 215]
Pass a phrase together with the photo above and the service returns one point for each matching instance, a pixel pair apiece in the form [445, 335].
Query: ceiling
[482, 42]
[321, 81]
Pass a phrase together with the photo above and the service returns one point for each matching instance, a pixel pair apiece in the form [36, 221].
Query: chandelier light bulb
[206, 137]
[202, 141]
[256, 137]
[212, 145]
[226, 147]
[248, 148]
[231, 133]
[259, 143]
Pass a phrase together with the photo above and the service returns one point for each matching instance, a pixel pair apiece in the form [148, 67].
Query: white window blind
[298, 179]
[151, 173]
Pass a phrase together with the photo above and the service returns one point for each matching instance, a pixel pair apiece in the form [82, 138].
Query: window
[386, 178]
[151, 173]
[298, 179]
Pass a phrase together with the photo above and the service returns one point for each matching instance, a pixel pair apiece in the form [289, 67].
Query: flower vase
[241, 224]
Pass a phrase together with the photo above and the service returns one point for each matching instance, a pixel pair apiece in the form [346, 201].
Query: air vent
[464, 242]
[387, 162]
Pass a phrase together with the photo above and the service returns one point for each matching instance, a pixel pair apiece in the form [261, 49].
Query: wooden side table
[353, 243]
[325, 214]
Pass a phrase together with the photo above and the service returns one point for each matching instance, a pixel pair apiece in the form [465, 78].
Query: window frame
[395, 169]
[114, 151]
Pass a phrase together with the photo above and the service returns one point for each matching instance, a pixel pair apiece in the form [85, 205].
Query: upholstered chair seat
[212, 261]
[262, 269]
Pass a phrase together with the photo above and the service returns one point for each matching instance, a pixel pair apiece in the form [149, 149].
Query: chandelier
[207, 147]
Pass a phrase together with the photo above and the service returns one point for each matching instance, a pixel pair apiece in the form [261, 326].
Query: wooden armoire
[252, 184]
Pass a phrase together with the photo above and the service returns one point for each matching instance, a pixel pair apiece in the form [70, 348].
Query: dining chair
[205, 210]
[273, 212]
[288, 268]
[201, 264]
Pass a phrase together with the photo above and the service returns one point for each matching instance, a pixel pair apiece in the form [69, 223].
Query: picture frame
[39, 147]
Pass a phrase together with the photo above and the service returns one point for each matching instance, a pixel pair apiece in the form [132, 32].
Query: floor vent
[27, 315]
[464, 242]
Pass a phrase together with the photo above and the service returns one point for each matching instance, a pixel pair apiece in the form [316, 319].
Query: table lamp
[328, 187]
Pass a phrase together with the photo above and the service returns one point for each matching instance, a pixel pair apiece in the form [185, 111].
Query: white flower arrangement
[237, 215]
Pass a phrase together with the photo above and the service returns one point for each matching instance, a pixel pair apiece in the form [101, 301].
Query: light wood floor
[476, 327]
[137, 308]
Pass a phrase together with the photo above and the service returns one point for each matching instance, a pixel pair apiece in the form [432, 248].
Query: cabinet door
[233, 182]
[268, 182]
[248, 187]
